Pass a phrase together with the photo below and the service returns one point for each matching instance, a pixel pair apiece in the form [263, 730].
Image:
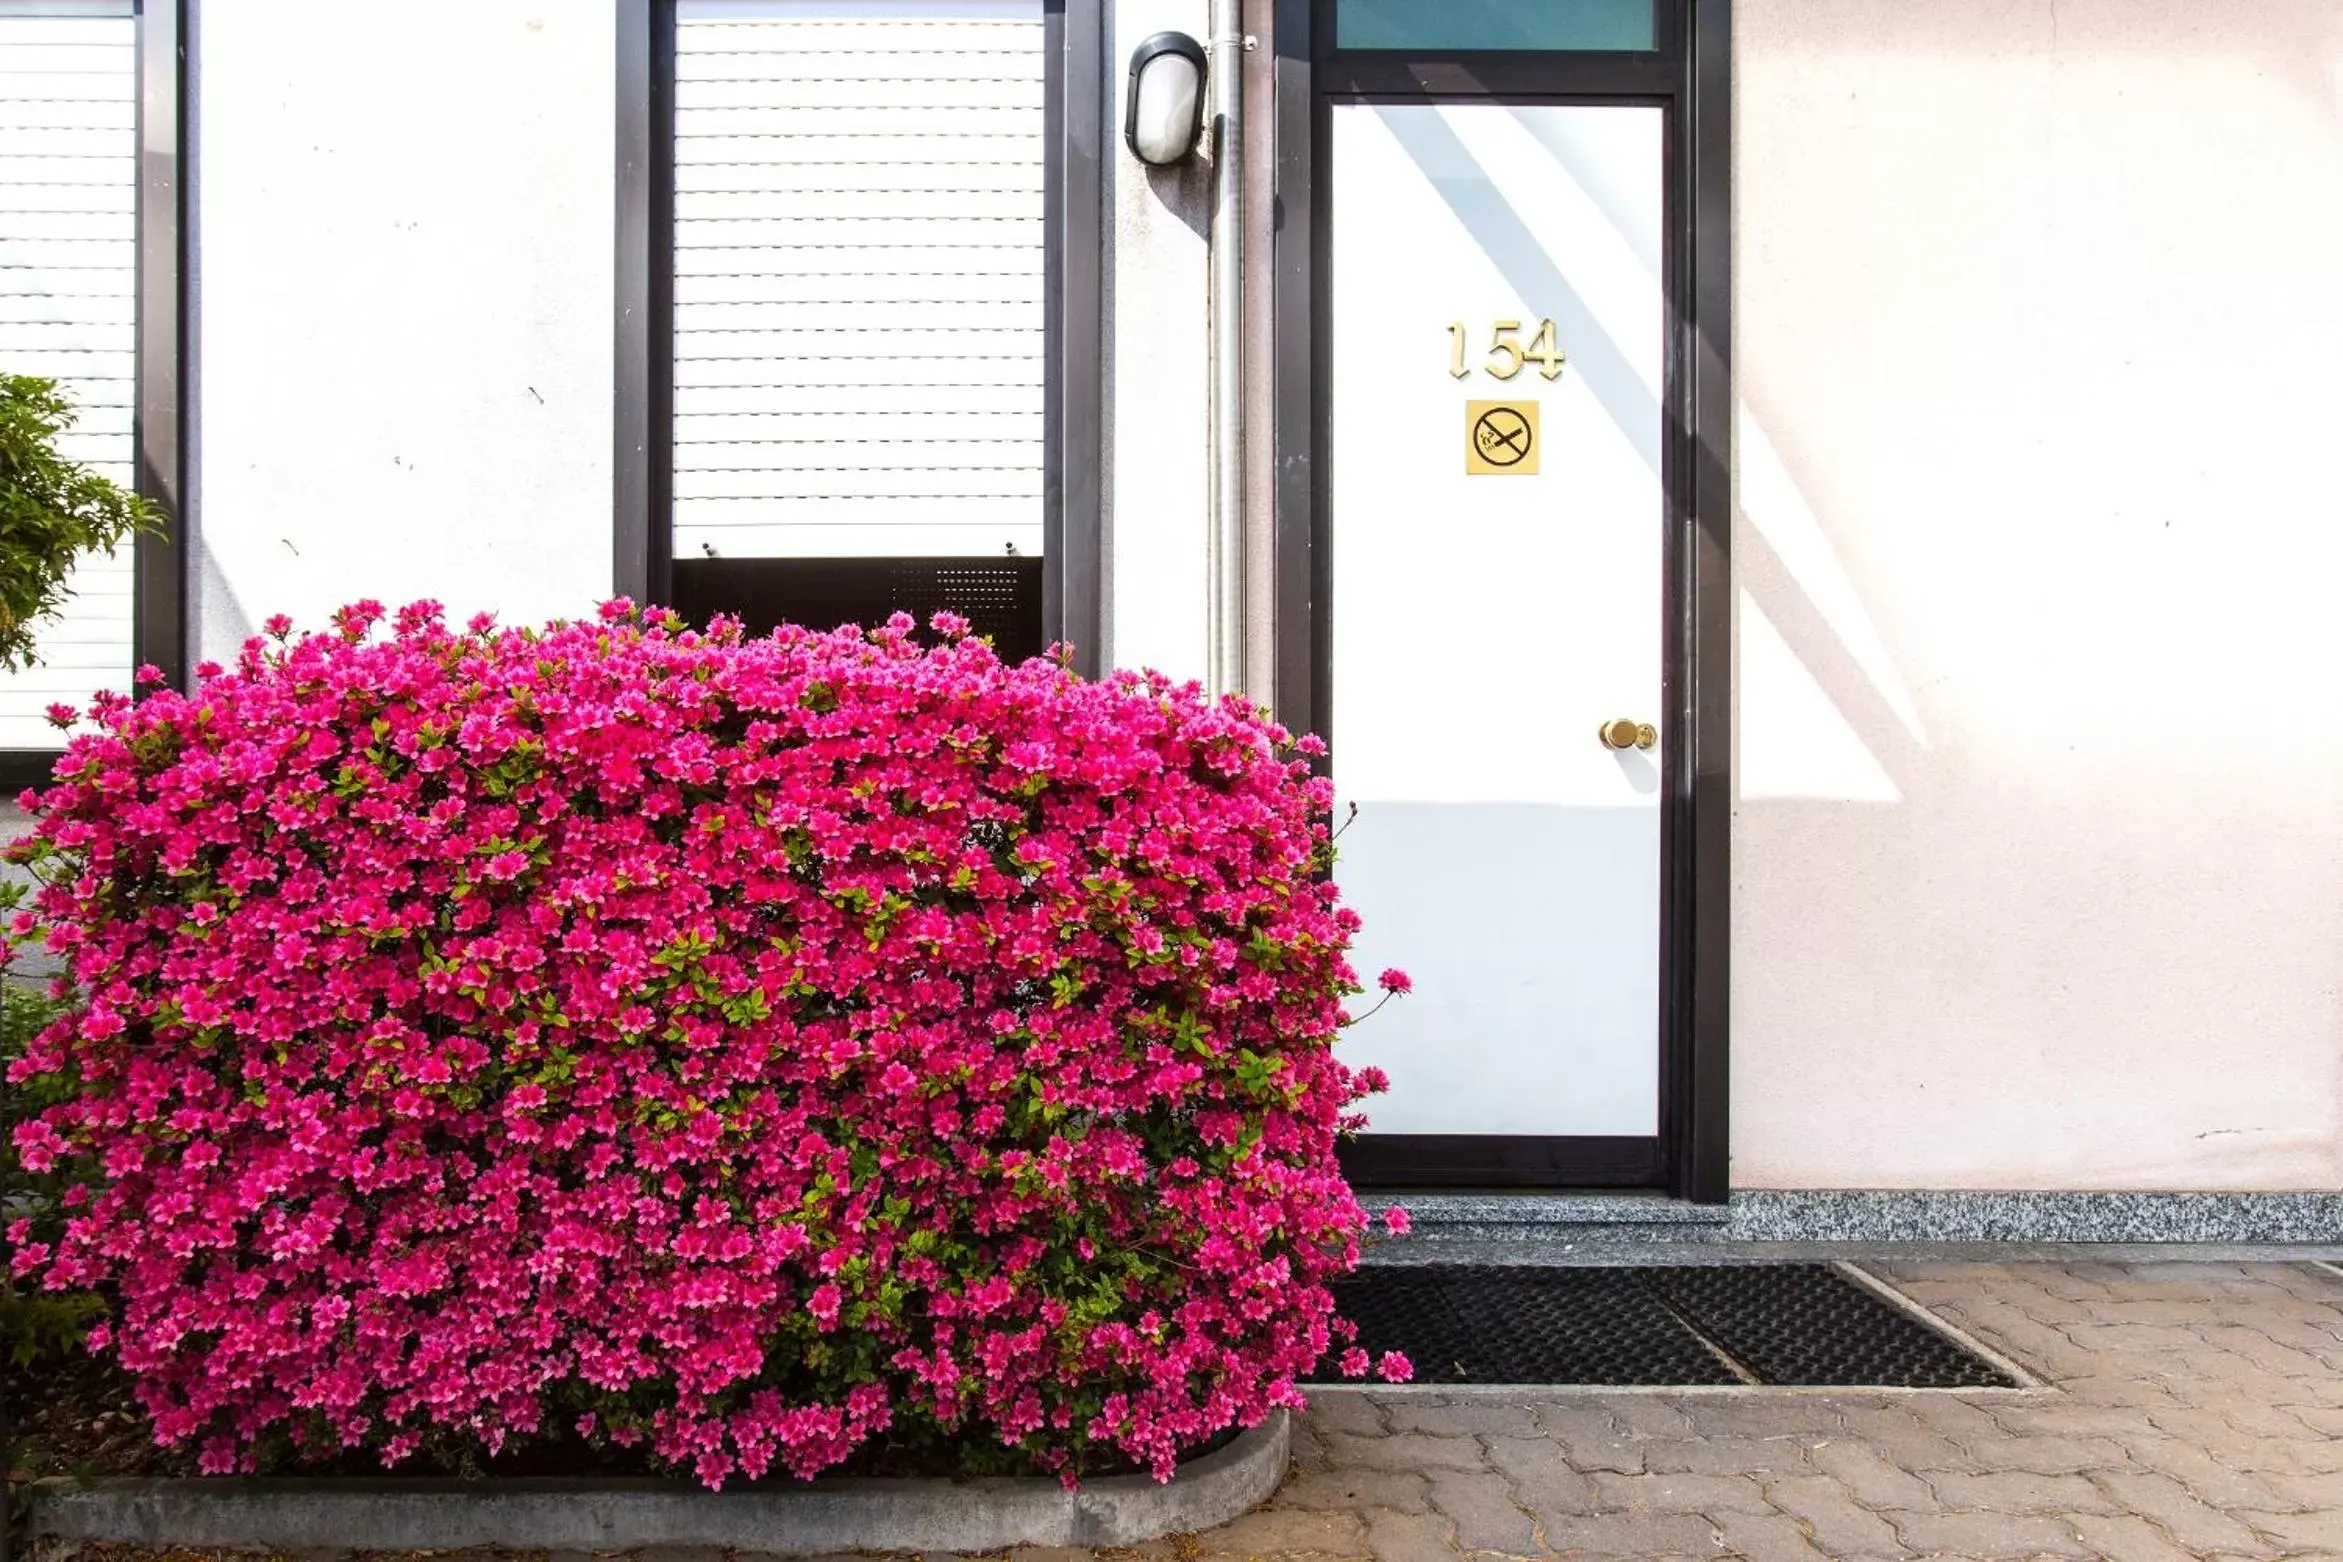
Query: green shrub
[34, 1325]
[52, 511]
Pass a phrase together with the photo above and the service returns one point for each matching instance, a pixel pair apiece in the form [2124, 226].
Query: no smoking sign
[1501, 439]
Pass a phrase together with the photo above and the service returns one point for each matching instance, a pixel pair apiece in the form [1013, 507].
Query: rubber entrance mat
[1789, 1324]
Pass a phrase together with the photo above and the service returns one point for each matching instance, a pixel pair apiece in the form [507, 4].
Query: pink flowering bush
[750, 1050]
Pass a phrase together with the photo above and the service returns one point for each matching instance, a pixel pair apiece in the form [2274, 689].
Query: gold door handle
[1625, 734]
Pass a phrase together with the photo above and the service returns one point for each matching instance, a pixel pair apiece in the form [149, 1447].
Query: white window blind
[859, 191]
[68, 281]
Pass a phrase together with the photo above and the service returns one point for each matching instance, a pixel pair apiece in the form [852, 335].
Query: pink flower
[1395, 981]
[61, 714]
[1396, 1221]
[37, 1146]
[419, 616]
[478, 1024]
[1395, 1368]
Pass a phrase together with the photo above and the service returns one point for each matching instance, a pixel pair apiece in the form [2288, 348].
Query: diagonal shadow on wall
[1784, 560]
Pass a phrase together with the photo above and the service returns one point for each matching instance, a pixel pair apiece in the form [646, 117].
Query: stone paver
[2190, 1411]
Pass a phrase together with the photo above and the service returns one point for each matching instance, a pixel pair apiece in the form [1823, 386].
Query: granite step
[1457, 1213]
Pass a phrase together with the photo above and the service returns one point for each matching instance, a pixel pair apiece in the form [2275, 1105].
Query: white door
[1497, 527]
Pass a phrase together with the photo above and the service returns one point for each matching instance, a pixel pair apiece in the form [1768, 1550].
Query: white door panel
[1485, 626]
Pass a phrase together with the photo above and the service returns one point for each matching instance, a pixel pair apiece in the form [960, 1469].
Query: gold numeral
[1544, 353]
[1506, 353]
[1500, 345]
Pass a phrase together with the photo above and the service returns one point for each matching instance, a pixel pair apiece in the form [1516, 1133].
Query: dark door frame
[643, 468]
[1690, 76]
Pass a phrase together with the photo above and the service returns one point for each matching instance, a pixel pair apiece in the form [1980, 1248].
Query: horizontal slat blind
[68, 309]
[858, 289]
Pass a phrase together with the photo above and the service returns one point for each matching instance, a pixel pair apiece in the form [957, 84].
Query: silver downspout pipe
[1225, 550]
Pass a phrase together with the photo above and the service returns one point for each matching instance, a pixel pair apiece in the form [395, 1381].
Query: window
[69, 308]
[852, 399]
[1617, 25]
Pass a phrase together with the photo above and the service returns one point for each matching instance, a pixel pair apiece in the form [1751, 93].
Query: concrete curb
[387, 1514]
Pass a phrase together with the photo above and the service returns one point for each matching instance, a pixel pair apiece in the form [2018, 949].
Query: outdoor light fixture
[1164, 113]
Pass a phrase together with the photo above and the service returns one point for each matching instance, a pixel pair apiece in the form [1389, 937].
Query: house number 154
[1506, 354]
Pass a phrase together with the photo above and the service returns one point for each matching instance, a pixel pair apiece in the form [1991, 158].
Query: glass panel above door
[1438, 26]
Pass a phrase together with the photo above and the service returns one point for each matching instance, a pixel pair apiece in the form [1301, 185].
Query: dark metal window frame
[1073, 595]
[1689, 76]
[158, 601]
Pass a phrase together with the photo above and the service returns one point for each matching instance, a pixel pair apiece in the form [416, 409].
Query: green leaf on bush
[52, 512]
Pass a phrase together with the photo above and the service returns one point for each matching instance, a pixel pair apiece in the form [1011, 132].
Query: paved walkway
[2191, 1412]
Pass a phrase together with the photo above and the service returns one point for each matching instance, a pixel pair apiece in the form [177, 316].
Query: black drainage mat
[1803, 1324]
[1487, 1325]
[1810, 1324]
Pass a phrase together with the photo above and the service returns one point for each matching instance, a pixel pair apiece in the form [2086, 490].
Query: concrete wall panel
[402, 307]
[2039, 853]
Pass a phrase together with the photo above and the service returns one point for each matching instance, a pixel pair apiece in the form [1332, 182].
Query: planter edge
[295, 1514]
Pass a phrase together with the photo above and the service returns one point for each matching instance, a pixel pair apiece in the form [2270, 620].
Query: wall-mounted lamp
[1163, 114]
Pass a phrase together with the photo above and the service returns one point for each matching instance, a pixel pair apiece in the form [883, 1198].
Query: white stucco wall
[2039, 852]
[1158, 395]
[402, 284]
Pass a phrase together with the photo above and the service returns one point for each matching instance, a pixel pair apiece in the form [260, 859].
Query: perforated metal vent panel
[859, 273]
[1803, 1324]
[68, 284]
[1000, 598]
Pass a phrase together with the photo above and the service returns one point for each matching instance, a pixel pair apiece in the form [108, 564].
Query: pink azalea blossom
[1396, 1221]
[1395, 981]
[747, 1050]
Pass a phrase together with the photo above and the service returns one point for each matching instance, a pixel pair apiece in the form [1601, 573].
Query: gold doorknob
[1628, 734]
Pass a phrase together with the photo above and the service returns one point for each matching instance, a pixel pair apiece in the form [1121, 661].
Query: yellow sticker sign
[1501, 439]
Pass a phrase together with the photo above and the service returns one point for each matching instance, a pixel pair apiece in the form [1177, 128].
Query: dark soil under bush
[77, 1416]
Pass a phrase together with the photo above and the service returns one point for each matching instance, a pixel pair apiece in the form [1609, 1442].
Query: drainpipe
[1225, 551]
